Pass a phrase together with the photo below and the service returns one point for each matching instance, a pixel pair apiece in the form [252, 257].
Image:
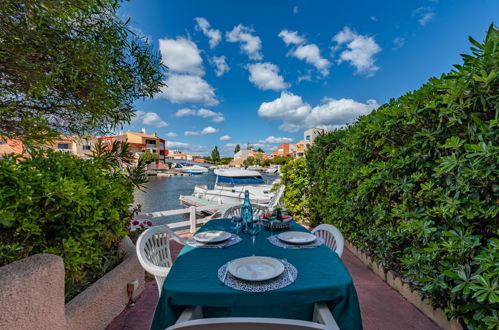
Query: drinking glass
[237, 221]
[254, 229]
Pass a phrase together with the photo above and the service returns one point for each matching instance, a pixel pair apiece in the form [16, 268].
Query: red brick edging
[436, 315]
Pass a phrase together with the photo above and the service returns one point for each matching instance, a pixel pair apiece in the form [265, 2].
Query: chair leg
[190, 313]
[323, 315]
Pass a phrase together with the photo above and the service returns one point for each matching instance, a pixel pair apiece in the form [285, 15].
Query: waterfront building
[139, 142]
[285, 150]
[300, 149]
[78, 146]
[310, 135]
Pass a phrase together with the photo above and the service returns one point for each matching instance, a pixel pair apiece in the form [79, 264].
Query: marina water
[162, 193]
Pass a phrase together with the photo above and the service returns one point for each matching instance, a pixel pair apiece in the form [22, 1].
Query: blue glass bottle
[246, 212]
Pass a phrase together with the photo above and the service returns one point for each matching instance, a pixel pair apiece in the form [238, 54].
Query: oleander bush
[79, 209]
[415, 185]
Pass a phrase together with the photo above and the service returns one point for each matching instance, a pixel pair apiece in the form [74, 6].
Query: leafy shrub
[57, 203]
[414, 184]
[295, 178]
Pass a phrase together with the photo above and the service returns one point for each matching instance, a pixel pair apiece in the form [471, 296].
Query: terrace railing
[193, 212]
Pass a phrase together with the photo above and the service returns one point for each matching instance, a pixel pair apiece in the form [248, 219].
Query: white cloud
[214, 35]
[266, 76]
[360, 51]
[291, 37]
[220, 64]
[308, 52]
[188, 89]
[171, 134]
[295, 10]
[373, 18]
[176, 144]
[225, 138]
[398, 43]
[181, 56]
[251, 45]
[204, 131]
[276, 140]
[311, 54]
[424, 14]
[296, 114]
[216, 117]
[149, 118]
[209, 130]
[185, 112]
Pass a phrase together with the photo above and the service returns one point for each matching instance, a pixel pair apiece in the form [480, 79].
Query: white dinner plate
[296, 237]
[256, 268]
[212, 236]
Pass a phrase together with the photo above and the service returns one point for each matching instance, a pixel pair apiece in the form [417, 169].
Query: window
[62, 146]
[87, 147]
[307, 138]
[227, 181]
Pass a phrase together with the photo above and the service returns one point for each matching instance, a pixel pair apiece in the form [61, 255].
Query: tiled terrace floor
[381, 307]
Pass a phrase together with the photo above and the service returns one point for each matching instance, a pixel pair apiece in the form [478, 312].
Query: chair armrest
[190, 313]
[323, 315]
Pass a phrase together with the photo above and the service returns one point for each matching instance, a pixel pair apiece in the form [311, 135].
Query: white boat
[231, 184]
[194, 169]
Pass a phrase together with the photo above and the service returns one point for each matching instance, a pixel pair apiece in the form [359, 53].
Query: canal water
[162, 193]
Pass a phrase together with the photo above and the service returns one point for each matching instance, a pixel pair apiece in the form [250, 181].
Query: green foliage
[237, 148]
[414, 184]
[148, 157]
[224, 161]
[295, 179]
[70, 67]
[78, 209]
[281, 160]
[215, 155]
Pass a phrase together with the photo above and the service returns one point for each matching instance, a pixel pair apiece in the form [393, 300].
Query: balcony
[151, 146]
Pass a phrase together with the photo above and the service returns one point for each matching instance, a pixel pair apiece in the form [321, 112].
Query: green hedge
[415, 185]
[60, 204]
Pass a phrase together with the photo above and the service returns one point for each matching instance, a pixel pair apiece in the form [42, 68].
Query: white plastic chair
[153, 251]
[235, 211]
[275, 200]
[332, 237]
[192, 318]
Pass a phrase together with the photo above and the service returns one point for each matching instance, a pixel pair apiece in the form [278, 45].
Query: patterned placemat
[277, 242]
[234, 239]
[286, 278]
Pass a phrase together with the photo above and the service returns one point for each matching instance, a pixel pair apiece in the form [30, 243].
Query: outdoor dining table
[193, 281]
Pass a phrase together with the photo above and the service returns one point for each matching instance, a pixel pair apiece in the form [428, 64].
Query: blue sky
[263, 71]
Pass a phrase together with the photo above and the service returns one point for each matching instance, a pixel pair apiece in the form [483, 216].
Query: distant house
[300, 149]
[242, 155]
[78, 146]
[310, 135]
[285, 150]
[139, 142]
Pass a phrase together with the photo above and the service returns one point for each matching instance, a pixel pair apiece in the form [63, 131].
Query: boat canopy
[233, 172]
[240, 180]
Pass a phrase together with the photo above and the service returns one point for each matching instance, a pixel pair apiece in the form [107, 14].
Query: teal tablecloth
[321, 277]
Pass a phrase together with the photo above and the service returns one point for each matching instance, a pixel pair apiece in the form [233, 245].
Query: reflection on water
[162, 193]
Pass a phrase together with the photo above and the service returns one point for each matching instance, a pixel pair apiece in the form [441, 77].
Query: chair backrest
[246, 323]
[153, 246]
[235, 211]
[274, 201]
[332, 237]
